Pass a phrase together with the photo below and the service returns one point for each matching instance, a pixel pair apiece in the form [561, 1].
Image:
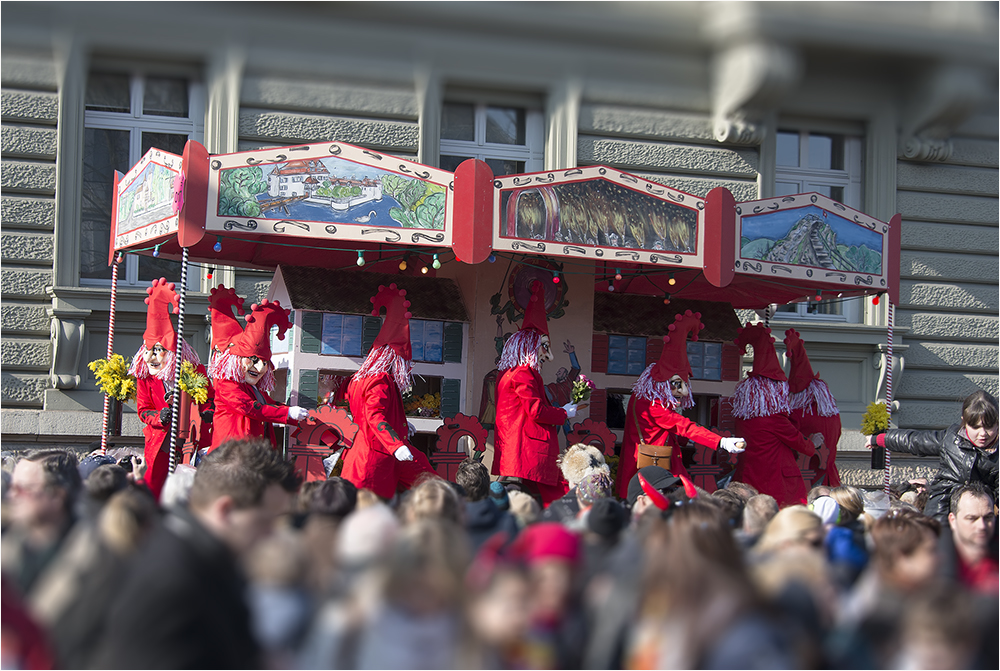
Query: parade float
[618, 256]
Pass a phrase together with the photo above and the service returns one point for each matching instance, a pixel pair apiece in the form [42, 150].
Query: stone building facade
[901, 97]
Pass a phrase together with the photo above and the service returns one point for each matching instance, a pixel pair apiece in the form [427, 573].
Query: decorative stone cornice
[939, 103]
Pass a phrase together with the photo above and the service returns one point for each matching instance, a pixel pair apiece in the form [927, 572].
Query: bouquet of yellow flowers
[875, 420]
[194, 383]
[113, 378]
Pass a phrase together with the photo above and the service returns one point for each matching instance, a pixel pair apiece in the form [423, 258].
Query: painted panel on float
[144, 204]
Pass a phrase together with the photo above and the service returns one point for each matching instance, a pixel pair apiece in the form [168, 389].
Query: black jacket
[181, 606]
[959, 462]
[483, 519]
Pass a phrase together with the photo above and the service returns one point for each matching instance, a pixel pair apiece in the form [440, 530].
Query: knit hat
[827, 509]
[593, 487]
[674, 358]
[256, 338]
[395, 330]
[805, 386]
[89, 464]
[162, 300]
[225, 326]
[547, 540]
[657, 476]
[607, 518]
[535, 316]
[499, 495]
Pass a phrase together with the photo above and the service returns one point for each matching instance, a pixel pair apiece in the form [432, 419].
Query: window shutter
[599, 405]
[730, 363]
[312, 332]
[451, 397]
[308, 388]
[453, 342]
[726, 420]
[654, 348]
[369, 332]
[599, 353]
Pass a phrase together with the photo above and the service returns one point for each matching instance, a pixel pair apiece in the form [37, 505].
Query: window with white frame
[829, 164]
[510, 139]
[126, 114]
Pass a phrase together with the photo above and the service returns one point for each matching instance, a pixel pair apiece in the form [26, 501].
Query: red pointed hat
[765, 360]
[535, 316]
[256, 338]
[395, 330]
[800, 374]
[162, 300]
[225, 326]
[674, 358]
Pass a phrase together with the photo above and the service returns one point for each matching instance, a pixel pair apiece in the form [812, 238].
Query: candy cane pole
[111, 344]
[175, 406]
[888, 396]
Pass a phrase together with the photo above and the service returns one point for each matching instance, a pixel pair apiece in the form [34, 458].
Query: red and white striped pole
[888, 396]
[111, 345]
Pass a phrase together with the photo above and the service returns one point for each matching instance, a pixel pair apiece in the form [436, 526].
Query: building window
[705, 359]
[342, 335]
[626, 355]
[829, 164]
[427, 340]
[509, 139]
[126, 114]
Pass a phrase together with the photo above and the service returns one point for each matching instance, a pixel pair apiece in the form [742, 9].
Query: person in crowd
[382, 458]
[101, 484]
[816, 492]
[814, 409]
[527, 424]
[973, 527]
[591, 489]
[845, 540]
[654, 409]
[794, 526]
[762, 411]
[759, 510]
[498, 608]
[966, 451]
[432, 497]
[183, 605]
[482, 517]
[576, 463]
[498, 493]
[659, 479]
[177, 488]
[524, 508]
[154, 367]
[243, 375]
[745, 491]
[326, 508]
[732, 506]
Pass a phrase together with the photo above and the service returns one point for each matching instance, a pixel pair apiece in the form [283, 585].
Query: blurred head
[432, 497]
[979, 416]
[940, 630]
[817, 492]
[335, 497]
[426, 567]
[794, 526]
[366, 535]
[906, 548]
[499, 608]
[851, 502]
[523, 507]
[552, 554]
[104, 481]
[592, 488]
[745, 491]
[758, 512]
[43, 489]
[127, 518]
[732, 505]
[972, 520]
[240, 491]
[474, 479]
[177, 487]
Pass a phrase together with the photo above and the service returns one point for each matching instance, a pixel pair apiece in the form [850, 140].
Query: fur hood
[581, 460]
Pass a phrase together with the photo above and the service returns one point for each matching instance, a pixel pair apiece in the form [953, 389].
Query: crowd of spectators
[245, 567]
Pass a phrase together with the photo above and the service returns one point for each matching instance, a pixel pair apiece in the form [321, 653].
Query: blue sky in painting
[776, 225]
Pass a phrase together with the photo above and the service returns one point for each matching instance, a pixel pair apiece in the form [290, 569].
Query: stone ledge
[29, 106]
[28, 212]
[28, 177]
[28, 142]
[26, 248]
[637, 155]
[376, 133]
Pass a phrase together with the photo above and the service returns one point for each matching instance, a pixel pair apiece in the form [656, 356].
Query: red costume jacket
[769, 461]
[377, 409]
[149, 401]
[830, 428]
[241, 413]
[527, 425]
[658, 425]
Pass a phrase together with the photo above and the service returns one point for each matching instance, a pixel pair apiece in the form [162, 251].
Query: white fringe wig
[230, 367]
[521, 349]
[817, 392]
[385, 360]
[759, 397]
[140, 371]
[659, 392]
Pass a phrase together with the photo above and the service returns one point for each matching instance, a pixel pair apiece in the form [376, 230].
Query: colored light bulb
[435, 264]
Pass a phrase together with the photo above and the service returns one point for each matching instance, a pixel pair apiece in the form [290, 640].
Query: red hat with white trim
[765, 360]
[395, 330]
[256, 338]
[674, 358]
[225, 326]
[162, 300]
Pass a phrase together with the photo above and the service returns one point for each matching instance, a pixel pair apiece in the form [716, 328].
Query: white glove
[734, 445]
[297, 413]
[570, 409]
[403, 453]
[410, 430]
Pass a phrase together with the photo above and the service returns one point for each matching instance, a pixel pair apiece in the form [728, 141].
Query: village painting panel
[331, 190]
[811, 236]
[600, 213]
[147, 200]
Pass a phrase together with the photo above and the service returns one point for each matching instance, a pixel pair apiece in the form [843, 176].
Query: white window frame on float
[803, 178]
[135, 122]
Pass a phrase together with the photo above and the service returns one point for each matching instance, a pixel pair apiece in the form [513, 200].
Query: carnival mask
[679, 388]
[255, 368]
[544, 350]
[155, 358]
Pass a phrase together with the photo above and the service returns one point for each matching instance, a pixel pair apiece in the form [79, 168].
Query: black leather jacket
[959, 462]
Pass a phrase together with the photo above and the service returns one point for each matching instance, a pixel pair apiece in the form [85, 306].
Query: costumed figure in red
[814, 410]
[382, 458]
[527, 424]
[154, 368]
[243, 374]
[658, 397]
[761, 407]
